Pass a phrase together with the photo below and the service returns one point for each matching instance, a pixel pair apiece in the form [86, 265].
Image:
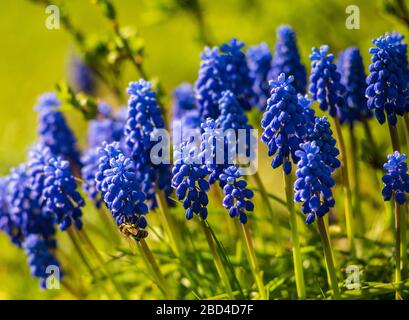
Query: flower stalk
[217, 260]
[347, 187]
[297, 260]
[329, 261]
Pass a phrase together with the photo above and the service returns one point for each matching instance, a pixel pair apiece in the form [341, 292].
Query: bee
[131, 230]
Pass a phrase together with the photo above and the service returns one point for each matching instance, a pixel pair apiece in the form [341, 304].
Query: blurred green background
[34, 58]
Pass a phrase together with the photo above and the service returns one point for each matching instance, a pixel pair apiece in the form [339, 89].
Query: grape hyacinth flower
[233, 123]
[120, 187]
[325, 86]
[189, 179]
[210, 83]
[259, 60]
[220, 70]
[237, 72]
[25, 207]
[54, 131]
[237, 197]
[322, 135]
[387, 81]
[313, 189]
[314, 183]
[106, 129]
[82, 76]
[353, 78]
[144, 118]
[88, 172]
[287, 59]
[7, 224]
[61, 195]
[396, 185]
[396, 181]
[231, 116]
[284, 123]
[184, 100]
[39, 257]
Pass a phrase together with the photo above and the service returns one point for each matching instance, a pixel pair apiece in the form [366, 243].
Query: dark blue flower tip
[353, 78]
[89, 170]
[386, 90]
[53, 130]
[285, 122]
[314, 182]
[183, 100]
[237, 197]
[40, 258]
[287, 59]
[82, 76]
[119, 185]
[322, 135]
[220, 70]
[104, 130]
[396, 181]
[144, 119]
[325, 86]
[190, 179]
[259, 60]
[61, 195]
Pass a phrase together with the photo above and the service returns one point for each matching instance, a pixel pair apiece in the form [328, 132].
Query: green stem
[398, 250]
[347, 188]
[356, 182]
[297, 260]
[150, 260]
[251, 254]
[329, 261]
[168, 224]
[102, 264]
[269, 208]
[393, 132]
[217, 260]
[404, 239]
[79, 251]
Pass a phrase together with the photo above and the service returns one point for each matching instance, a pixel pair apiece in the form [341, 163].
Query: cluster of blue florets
[287, 59]
[223, 69]
[284, 123]
[53, 130]
[387, 89]
[314, 183]
[120, 187]
[352, 70]
[34, 198]
[396, 181]
[190, 179]
[237, 197]
[325, 83]
[144, 118]
[259, 59]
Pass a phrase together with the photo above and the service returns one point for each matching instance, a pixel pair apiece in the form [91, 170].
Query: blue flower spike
[314, 182]
[190, 179]
[325, 86]
[120, 187]
[387, 89]
[237, 197]
[259, 60]
[352, 70]
[284, 122]
[61, 195]
[396, 181]
[287, 59]
[54, 131]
